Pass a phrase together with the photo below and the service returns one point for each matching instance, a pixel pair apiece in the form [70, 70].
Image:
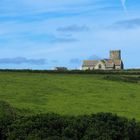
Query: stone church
[113, 63]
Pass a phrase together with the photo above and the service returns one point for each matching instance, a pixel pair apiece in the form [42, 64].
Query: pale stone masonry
[113, 63]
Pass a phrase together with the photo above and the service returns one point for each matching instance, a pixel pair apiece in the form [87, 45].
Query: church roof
[108, 62]
[111, 63]
[90, 63]
[117, 62]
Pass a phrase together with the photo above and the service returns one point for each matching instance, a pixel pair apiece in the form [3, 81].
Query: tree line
[116, 72]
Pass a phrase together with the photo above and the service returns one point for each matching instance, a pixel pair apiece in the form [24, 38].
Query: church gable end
[100, 66]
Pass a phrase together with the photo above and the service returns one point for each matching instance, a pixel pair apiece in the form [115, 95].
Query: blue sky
[44, 34]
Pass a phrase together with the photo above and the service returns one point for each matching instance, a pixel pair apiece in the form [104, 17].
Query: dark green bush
[102, 126]
[130, 79]
[7, 116]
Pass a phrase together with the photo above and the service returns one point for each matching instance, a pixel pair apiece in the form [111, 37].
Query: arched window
[100, 66]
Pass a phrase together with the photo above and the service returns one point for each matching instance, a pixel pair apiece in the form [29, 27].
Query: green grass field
[69, 94]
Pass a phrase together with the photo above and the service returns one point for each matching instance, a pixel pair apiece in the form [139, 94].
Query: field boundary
[117, 72]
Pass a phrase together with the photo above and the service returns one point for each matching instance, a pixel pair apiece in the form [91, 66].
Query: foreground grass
[69, 94]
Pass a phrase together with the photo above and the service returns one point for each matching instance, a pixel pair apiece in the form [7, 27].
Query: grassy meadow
[69, 94]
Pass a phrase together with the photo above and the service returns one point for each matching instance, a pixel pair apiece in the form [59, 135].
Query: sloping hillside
[69, 94]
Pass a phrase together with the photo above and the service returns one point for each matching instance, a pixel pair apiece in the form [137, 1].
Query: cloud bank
[73, 28]
[22, 60]
[127, 24]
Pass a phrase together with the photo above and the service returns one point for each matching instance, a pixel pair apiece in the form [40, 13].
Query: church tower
[115, 55]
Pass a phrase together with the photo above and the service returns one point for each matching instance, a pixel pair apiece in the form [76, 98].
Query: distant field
[69, 94]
